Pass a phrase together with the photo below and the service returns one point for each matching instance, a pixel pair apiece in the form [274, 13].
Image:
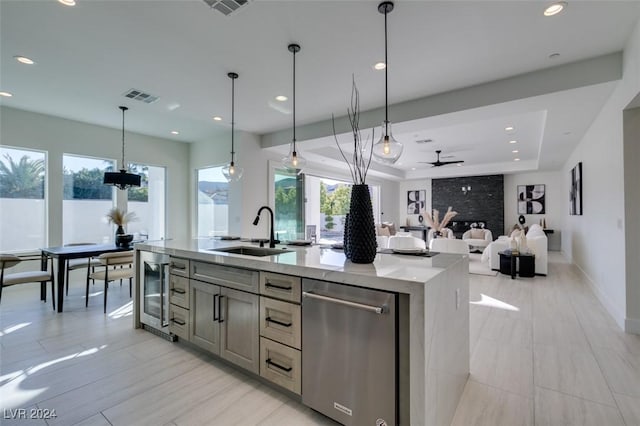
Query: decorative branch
[434, 221]
[359, 165]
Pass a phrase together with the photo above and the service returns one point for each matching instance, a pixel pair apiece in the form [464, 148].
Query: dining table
[64, 253]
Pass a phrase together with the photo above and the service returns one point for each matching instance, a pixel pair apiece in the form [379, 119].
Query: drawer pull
[175, 321]
[279, 287]
[284, 324]
[179, 291]
[287, 369]
[180, 267]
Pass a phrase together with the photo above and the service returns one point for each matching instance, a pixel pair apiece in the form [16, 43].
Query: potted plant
[120, 218]
[359, 235]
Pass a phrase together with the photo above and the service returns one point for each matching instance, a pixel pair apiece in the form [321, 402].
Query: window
[289, 205]
[148, 203]
[86, 200]
[213, 205]
[23, 209]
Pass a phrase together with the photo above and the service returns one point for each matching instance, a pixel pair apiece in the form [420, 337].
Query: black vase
[347, 237]
[360, 236]
[119, 231]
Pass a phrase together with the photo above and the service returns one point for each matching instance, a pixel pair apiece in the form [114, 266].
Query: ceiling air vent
[226, 7]
[420, 141]
[141, 96]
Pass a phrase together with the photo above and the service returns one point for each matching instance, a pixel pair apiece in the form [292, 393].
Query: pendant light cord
[386, 82]
[233, 109]
[294, 101]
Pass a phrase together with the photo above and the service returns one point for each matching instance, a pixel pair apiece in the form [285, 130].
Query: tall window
[213, 205]
[148, 203]
[23, 209]
[86, 200]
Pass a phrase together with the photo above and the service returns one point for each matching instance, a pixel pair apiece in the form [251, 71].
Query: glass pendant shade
[232, 173]
[294, 162]
[387, 150]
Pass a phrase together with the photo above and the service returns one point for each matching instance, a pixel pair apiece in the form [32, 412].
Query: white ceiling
[180, 50]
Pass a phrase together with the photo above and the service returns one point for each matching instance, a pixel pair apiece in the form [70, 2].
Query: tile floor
[543, 351]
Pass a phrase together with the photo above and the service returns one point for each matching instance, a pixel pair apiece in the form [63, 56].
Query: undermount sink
[251, 251]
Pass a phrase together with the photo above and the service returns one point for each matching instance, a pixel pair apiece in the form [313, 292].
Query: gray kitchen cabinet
[204, 325]
[239, 328]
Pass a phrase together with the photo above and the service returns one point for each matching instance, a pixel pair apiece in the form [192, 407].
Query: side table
[522, 263]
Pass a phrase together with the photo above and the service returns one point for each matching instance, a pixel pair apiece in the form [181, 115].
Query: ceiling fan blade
[452, 162]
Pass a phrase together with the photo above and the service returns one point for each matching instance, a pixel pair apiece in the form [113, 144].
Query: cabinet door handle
[178, 290]
[279, 287]
[284, 324]
[178, 266]
[175, 321]
[215, 317]
[275, 364]
[220, 319]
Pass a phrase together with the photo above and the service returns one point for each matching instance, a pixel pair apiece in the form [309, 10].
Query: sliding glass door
[289, 205]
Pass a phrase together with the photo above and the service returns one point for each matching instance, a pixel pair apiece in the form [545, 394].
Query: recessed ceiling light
[555, 8]
[516, 159]
[459, 165]
[281, 98]
[515, 151]
[379, 66]
[413, 168]
[24, 60]
[217, 118]
[509, 129]
[175, 132]
[68, 2]
[513, 141]
[6, 94]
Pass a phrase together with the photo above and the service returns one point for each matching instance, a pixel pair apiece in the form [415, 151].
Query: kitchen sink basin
[252, 251]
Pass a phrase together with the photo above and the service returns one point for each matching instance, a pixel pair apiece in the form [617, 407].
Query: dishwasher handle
[370, 308]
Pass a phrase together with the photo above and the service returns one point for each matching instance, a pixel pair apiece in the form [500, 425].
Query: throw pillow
[390, 226]
[516, 233]
[383, 231]
[477, 234]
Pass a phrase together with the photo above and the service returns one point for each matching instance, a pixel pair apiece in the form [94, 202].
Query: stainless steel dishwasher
[350, 346]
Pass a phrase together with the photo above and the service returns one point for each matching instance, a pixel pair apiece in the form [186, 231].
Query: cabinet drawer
[179, 291]
[179, 267]
[280, 321]
[281, 365]
[238, 278]
[179, 321]
[285, 287]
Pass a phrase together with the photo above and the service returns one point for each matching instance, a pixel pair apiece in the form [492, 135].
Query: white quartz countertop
[395, 272]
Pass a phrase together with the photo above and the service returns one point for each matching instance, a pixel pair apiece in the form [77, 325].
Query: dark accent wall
[485, 201]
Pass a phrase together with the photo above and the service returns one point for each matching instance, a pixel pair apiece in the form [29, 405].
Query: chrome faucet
[272, 240]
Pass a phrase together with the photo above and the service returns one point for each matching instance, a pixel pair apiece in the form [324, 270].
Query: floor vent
[226, 7]
[141, 96]
[169, 337]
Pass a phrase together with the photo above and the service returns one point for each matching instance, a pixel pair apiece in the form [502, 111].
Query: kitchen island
[432, 320]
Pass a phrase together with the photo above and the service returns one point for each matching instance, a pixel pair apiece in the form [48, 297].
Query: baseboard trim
[618, 317]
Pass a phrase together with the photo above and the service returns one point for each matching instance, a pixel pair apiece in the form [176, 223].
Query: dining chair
[123, 259]
[89, 262]
[8, 261]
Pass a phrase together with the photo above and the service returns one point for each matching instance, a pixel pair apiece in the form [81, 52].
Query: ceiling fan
[439, 163]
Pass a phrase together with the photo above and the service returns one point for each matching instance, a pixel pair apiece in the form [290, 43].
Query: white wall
[60, 136]
[595, 241]
[555, 205]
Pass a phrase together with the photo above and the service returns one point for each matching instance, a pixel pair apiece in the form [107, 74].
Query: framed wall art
[531, 199]
[416, 201]
[575, 191]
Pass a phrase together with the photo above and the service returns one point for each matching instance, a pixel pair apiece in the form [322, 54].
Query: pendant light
[387, 150]
[294, 162]
[231, 172]
[122, 179]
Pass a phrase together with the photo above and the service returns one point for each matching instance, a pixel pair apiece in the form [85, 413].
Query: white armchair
[477, 238]
[406, 242]
[537, 244]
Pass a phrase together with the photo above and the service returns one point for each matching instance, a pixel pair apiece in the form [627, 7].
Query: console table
[526, 266]
[423, 229]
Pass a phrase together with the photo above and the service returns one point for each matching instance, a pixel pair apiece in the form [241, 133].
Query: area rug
[477, 267]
